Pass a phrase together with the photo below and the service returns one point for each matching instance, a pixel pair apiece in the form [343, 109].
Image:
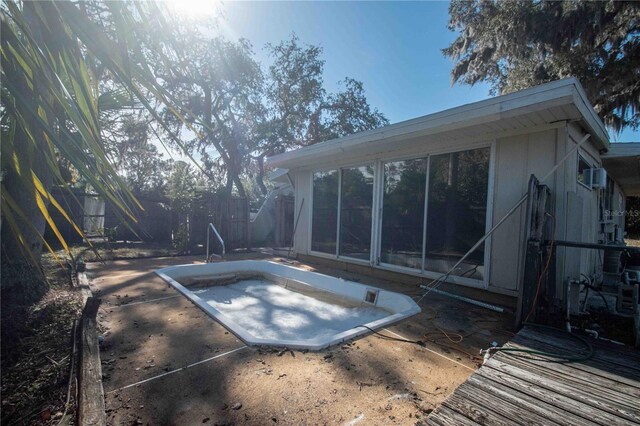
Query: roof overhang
[279, 176]
[531, 109]
[622, 163]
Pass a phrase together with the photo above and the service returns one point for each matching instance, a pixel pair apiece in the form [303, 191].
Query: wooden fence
[157, 223]
[153, 222]
[284, 212]
[230, 216]
[72, 200]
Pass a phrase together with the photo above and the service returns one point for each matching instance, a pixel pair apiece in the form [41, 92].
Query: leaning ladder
[210, 228]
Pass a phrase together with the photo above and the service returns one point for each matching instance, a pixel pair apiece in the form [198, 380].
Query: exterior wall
[589, 231]
[517, 158]
[514, 159]
[582, 220]
[303, 203]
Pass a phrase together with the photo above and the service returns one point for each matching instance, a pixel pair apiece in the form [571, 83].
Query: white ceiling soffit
[533, 107]
[622, 162]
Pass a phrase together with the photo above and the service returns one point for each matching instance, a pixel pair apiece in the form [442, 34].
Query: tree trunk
[31, 229]
[229, 185]
[20, 285]
[260, 175]
[227, 157]
[239, 186]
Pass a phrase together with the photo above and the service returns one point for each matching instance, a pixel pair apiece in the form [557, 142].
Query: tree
[181, 187]
[243, 113]
[219, 83]
[181, 191]
[299, 111]
[518, 44]
[50, 112]
[137, 159]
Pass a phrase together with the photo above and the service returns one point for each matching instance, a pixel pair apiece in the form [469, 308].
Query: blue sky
[394, 48]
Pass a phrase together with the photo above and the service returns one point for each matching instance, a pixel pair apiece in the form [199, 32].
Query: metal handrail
[215, 231]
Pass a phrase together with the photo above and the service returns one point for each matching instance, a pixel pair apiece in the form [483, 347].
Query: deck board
[529, 389]
[526, 403]
[590, 383]
[450, 417]
[593, 367]
[617, 358]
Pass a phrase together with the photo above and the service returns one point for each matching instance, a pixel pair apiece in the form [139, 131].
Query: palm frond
[52, 109]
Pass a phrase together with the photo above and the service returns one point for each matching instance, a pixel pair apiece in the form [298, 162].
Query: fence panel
[153, 222]
[230, 216]
[156, 222]
[285, 211]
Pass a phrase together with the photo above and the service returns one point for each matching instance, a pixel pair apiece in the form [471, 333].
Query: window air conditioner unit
[595, 178]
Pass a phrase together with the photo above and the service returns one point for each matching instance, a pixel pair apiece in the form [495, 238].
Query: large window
[454, 189]
[457, 211]
[352, 209]
[403, 213]
[356, 201]
[325, 211]
[455, 217]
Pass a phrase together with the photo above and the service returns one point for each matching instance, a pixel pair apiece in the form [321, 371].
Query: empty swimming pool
[268, 303]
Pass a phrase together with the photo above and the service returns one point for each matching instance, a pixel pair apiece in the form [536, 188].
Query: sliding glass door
[343, 197]
[433, 240]
[457, 212]
[403, 212]
[356, 202]
[325, 212]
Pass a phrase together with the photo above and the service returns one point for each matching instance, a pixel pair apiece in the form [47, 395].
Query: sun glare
[196, 8]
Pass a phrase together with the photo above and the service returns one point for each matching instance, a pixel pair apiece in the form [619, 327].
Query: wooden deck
[521, 389]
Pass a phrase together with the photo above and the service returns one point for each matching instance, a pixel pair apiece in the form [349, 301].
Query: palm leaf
[50, 94]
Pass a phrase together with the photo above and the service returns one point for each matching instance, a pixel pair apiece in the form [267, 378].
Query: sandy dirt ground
[166, 362]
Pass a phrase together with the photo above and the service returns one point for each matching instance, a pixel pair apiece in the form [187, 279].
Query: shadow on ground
[151, 331]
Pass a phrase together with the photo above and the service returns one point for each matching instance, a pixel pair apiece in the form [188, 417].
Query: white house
[413, 197]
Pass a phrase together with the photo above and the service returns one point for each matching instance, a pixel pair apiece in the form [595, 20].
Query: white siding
[517, 158]
[590, 230]
[303, 193]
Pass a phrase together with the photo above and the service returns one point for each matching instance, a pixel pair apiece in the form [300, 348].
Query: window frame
[582, 158]
[311, 206]
[339, 225]
[376, 214]
[336, 254]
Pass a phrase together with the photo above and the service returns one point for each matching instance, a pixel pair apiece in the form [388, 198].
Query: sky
[394, 48]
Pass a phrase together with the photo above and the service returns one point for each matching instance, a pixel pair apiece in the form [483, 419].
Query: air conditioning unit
[595, 178]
